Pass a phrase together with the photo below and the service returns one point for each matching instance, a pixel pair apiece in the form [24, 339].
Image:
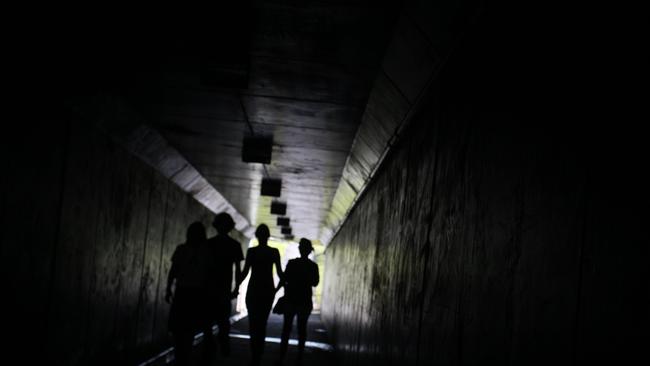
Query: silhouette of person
[261, 289]
[300, 275]
[191, 263]
[227, 252]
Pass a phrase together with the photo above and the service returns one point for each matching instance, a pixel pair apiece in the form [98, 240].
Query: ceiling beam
[112, 115]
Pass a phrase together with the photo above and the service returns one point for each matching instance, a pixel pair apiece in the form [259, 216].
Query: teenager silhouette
[300, 275]
[227, 252]
[261, 289]
[191, 265]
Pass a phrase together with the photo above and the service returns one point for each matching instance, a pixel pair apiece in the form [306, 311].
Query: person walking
[186, 291]
[261, 288]
[227, 253]
[300, 275]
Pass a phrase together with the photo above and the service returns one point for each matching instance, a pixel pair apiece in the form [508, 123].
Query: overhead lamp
[257, 149]
[278, 208]
[271, 187]
[283, 221]
[286, 230]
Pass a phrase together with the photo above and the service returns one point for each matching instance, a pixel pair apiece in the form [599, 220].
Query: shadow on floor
[317, 351]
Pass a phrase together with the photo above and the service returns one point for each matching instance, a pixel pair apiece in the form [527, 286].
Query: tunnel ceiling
[300, 74]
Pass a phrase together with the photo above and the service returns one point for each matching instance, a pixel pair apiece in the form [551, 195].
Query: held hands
[234, 293]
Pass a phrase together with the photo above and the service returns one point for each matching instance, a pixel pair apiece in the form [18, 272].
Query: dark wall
[88, 233]
[505, 227]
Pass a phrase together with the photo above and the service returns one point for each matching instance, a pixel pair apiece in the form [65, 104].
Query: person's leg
[265, 311]
[224, 336]
[182, 348]
[286, 332]
[303, 316]
[254, 330]
[223, 322]
[209, 346]
[182, 324]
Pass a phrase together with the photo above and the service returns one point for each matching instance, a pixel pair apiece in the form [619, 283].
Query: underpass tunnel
[471, 186]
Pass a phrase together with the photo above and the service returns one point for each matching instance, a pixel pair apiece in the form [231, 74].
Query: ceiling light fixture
[271, 187]
[257, 149]
[278, 208]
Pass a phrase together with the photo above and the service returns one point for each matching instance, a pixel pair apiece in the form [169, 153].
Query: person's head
[305, 247]
[262, 234]
[223, 222]
[195, 233]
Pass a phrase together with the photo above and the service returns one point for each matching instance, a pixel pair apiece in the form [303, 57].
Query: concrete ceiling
[308, 71]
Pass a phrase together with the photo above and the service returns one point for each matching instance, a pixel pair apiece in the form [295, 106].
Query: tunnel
[469, 172]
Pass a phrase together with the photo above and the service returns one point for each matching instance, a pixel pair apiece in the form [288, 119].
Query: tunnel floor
[317, 349]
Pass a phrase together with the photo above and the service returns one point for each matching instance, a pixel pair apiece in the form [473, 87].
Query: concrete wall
[503, 228]
[88, 233]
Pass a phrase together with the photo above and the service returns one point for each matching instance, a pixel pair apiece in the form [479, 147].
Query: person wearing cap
[300, 275]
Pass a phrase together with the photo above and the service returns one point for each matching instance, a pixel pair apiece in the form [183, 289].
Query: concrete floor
[317, 350]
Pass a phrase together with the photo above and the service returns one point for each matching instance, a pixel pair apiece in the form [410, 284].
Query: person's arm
[238, 274]
[316, 276]
[280, 284]
[244, 272]
[278, 265]
[170, 280]
[282, 275]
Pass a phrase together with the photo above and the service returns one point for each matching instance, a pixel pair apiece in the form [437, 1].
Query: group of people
[200, 290]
